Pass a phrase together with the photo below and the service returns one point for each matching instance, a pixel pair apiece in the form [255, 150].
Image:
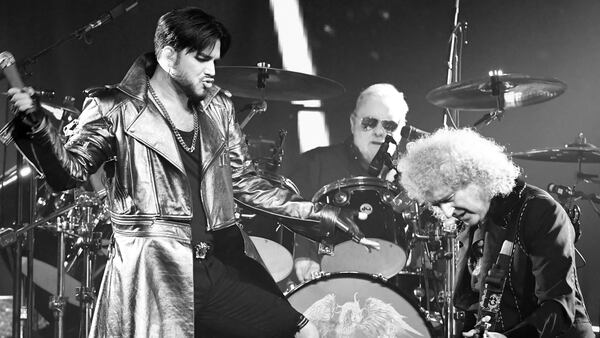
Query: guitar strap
[495, 278]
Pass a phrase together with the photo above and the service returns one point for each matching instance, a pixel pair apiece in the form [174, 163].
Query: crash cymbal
[518, 90]
[275, 84]
[574, 152]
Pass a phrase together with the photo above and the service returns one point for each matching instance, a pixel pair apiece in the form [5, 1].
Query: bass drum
[352, 304]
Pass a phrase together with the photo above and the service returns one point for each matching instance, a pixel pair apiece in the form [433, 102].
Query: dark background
[401, 42]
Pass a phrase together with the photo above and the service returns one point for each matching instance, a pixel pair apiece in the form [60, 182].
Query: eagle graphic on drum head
[375, 319]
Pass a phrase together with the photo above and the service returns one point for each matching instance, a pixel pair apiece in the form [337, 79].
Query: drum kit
[402, 289]
[71, 230]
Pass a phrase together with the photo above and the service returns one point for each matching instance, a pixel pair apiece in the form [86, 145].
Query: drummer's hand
[369, 244]
[306, 269]
[26, 105]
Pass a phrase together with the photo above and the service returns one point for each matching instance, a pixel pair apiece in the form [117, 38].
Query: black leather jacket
[542, 296]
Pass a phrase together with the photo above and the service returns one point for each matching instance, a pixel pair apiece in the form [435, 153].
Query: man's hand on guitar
[481, 330]
[475, 333]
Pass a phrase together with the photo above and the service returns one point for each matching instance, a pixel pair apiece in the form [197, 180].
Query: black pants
[234, 296]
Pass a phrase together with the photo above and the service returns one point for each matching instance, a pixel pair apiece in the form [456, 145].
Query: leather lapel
[151, 129]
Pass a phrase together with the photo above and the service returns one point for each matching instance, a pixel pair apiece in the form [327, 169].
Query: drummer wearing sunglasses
[380, 110]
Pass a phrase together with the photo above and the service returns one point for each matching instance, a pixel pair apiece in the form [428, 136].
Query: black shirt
[192, 162]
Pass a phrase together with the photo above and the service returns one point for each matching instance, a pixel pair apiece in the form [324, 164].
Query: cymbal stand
[498, 88]
[58, 302]
[90, 244]
[261, 84]
[452, 117]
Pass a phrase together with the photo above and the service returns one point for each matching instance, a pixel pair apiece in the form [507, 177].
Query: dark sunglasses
[369, 123]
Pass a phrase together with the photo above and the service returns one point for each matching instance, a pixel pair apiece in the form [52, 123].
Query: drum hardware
[374, 201]
[252, 109]
[496, 93]
[77, 220]
[268, 160]
[278, 151]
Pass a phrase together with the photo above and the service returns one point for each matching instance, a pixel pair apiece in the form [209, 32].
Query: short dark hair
[190, 28]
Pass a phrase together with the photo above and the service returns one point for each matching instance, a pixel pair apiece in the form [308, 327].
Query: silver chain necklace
[164, 112]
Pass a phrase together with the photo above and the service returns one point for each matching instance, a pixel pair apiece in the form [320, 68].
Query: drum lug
[380, 277]
[318, 275]
[387, 197]
[325, 249]
[341, 198]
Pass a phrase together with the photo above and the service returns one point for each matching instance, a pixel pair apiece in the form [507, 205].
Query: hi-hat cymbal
[574, 152]
[517, 90]
[275, 84]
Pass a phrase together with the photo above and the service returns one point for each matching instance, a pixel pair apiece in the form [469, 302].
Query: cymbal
[575, 152]
[277, 84]
[519, 90]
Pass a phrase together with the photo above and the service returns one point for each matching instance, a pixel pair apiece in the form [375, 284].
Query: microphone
[8, 65]
[381, 157]
[411, 133]
[114, 13]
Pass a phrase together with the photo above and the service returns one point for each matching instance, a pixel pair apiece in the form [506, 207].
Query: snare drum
[374, 198]
[351, 304]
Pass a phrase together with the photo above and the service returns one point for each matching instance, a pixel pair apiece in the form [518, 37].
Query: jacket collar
[502, 208]
[149, 126]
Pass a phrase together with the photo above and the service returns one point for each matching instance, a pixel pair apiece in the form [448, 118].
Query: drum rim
[360, 181]
[365, 276]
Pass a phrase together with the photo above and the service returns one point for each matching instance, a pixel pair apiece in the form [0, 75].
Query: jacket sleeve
[549, 237]
[68, 164]
[252, 189]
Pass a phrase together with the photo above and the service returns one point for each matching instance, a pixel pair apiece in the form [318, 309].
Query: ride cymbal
[513, 90]
[574, 152]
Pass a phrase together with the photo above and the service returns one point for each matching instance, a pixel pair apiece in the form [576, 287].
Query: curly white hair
[451, 159]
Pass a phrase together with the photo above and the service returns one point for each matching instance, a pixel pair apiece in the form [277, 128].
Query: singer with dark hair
[174, 157]
[380, 111]
[531, 288]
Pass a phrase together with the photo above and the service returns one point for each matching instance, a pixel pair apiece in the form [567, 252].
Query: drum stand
[86, 294]
[87, 245]
[58, 302]
[450, 314]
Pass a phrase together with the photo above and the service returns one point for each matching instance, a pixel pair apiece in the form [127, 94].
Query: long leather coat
[147, 289]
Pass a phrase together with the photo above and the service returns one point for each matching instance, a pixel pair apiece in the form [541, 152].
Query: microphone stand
[80, 33]
[452, 119]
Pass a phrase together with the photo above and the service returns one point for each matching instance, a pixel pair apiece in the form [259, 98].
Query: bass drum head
[351, 304]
